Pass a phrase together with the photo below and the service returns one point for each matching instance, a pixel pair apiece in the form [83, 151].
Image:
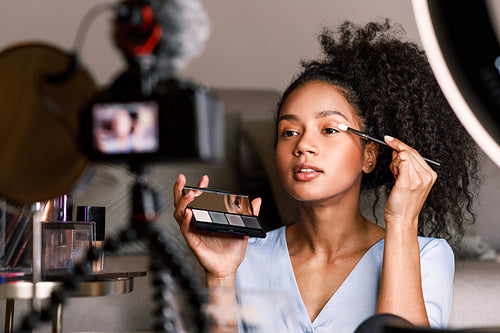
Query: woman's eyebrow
[321, 114]
[287, 117]
[328, 113]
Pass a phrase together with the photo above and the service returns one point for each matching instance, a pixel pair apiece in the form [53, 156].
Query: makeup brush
[365, 136]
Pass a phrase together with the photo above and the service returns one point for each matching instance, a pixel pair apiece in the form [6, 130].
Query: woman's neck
[330, 228]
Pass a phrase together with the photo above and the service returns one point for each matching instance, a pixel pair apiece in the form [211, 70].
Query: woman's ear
[370, 157]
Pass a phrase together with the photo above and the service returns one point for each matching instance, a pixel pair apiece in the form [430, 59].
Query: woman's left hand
[401, 285]
[414, 180]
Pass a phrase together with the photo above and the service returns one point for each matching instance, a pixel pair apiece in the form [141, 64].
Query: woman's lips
[305, 172]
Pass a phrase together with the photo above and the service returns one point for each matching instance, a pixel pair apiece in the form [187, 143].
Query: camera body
[179, 121]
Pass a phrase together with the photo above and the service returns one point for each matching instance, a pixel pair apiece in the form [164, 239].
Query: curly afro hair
[392, 88]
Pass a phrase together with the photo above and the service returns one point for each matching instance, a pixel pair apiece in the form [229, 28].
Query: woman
[338, 267]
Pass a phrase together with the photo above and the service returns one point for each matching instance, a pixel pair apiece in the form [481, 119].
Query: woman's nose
[306, 145]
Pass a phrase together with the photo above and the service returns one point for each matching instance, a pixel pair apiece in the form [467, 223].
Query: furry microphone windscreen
[185, 30]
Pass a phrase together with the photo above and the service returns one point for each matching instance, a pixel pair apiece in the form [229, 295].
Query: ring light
[464, 54]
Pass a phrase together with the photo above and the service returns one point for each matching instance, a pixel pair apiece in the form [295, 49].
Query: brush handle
[431, 162]
[370, 138]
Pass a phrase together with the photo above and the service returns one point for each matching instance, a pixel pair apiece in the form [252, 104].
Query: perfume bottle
[97, 215]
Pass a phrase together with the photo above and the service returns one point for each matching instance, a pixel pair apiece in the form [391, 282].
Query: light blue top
[267, 266]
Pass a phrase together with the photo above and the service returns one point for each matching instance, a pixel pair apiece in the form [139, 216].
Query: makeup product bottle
[59, 209]
[60, 241]
[97, 215]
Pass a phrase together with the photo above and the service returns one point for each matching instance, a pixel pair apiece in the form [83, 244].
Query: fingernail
[388, 138]
[179, 177]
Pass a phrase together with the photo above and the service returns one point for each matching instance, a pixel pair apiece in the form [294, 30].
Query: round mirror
[39, 153]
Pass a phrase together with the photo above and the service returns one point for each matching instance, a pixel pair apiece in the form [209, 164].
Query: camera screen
[125, 128]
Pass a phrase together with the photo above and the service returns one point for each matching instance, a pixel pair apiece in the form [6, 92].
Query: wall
[253, 44]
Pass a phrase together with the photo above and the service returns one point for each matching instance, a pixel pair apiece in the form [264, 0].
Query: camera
[147, 114]
[179, 121]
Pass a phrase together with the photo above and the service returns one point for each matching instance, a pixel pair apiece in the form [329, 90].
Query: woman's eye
[330, 130]
[288, 133]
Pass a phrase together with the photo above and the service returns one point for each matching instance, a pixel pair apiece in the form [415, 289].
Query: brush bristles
[342, 127]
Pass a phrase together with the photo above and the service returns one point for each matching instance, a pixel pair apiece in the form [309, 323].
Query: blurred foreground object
[39, 158]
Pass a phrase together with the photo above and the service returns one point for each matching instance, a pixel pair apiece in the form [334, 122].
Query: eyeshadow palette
[221, 211]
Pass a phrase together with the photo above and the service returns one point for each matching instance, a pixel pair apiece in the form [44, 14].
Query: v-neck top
[267, 267]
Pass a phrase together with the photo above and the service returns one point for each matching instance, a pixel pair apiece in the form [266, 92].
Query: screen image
[125, 128]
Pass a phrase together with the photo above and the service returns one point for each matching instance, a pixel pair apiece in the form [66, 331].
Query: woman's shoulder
[436, 252]
[425, 243]
[260, 250]
[430, 244]
[436, 248]
[273, 239]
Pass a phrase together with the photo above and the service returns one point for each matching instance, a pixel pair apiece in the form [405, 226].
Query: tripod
[166, 265]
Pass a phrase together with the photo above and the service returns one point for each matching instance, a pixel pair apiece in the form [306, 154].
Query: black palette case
[221, 211]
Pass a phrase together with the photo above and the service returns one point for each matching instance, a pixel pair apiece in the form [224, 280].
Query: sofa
[248, 167]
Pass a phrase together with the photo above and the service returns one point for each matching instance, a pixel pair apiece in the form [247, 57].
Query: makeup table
[104, 284]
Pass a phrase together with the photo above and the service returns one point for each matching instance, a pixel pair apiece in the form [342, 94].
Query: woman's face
[122, 123]
[316, 161]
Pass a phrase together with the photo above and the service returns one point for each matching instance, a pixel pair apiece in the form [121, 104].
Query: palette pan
[221, 211]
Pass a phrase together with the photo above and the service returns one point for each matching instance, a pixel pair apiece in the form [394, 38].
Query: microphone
[171, 32]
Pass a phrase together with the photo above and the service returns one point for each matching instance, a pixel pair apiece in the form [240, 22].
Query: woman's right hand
[219, 254]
